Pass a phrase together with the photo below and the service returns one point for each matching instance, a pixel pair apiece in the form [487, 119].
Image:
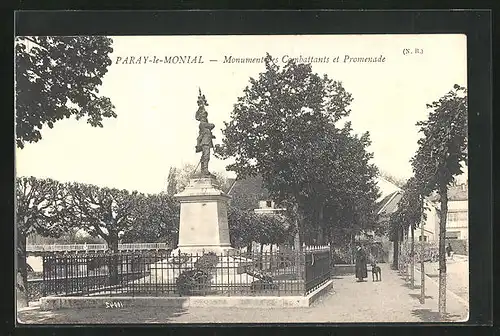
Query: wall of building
[457, 223]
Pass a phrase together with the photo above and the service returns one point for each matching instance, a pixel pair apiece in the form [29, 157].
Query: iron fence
[157, 273]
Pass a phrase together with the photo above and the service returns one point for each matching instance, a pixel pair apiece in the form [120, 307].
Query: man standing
[361, 269]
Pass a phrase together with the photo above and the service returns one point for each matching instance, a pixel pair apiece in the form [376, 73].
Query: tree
[172, 181]
[407, 217]
[246, 226]
[241, 227]
[108, 213]
[156, 220]
[282, 127]
[39, 208]
[351, 206]
[178, 178]
[439, 158]
[104, 212]
[58, 77]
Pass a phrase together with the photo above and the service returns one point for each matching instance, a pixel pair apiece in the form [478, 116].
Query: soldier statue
[204, 141]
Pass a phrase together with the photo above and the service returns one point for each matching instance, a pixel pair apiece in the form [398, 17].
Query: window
[420, 238]
[453, 235]
[457, 216]
[269, 204]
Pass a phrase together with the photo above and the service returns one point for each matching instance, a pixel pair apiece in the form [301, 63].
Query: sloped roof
[390, 195]
[390, 204]
[385, 187]
[246, 193]
[455, 193]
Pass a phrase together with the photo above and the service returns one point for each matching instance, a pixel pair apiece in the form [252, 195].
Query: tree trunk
[22, 270]
[321, 226]
[395, 253]
[114, 260]
[412, 256]
[271, 256]
[422, 265]
[261, 263]
[332, 251]
[443, 193]
[351, 247]
[297, 244]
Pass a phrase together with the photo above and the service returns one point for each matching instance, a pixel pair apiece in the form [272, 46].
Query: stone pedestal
[203, 223]
[203, 228]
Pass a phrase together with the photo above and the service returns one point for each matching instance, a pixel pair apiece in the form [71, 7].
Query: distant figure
[361, 260]
[449, 250]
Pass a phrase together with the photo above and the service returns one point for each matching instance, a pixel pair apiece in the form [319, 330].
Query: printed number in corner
[114, 304]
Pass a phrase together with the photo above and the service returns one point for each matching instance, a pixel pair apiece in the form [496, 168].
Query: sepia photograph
[241, 179]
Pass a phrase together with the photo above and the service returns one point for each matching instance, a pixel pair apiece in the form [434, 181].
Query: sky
[156, 102]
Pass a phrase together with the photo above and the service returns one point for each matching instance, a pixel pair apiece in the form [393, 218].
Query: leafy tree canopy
[283, 128]
[178, 178]
[156, 220]
[103, 212]
[443, 147]
[58, 77]
[410, 211]
[40, 206]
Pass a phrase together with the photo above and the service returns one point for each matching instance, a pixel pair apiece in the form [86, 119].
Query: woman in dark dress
[361, 260]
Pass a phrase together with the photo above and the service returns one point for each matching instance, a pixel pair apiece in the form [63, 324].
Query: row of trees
[285, 128]
[50, 208]
[440, 157]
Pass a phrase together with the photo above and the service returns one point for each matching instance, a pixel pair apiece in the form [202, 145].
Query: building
[388, 203]
[457, 221]
[250, 194]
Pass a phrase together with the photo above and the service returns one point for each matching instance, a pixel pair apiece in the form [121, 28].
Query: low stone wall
[346, 269]
[54, 303]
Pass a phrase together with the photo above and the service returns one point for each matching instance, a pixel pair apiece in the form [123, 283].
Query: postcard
[199, 179]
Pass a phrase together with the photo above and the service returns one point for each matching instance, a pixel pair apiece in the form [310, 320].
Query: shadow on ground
[417, 296]
[98, 315]
[428, 315]
[408, 285]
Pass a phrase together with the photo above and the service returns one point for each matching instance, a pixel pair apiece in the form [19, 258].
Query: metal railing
[157, 273]
[95, 247]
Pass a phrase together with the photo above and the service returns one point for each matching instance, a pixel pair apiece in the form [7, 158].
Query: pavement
[457, 270]
[390, 300]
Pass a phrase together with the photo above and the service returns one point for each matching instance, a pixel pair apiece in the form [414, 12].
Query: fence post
[65, 275]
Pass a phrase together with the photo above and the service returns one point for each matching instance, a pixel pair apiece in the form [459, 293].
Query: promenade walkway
[390, 300]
